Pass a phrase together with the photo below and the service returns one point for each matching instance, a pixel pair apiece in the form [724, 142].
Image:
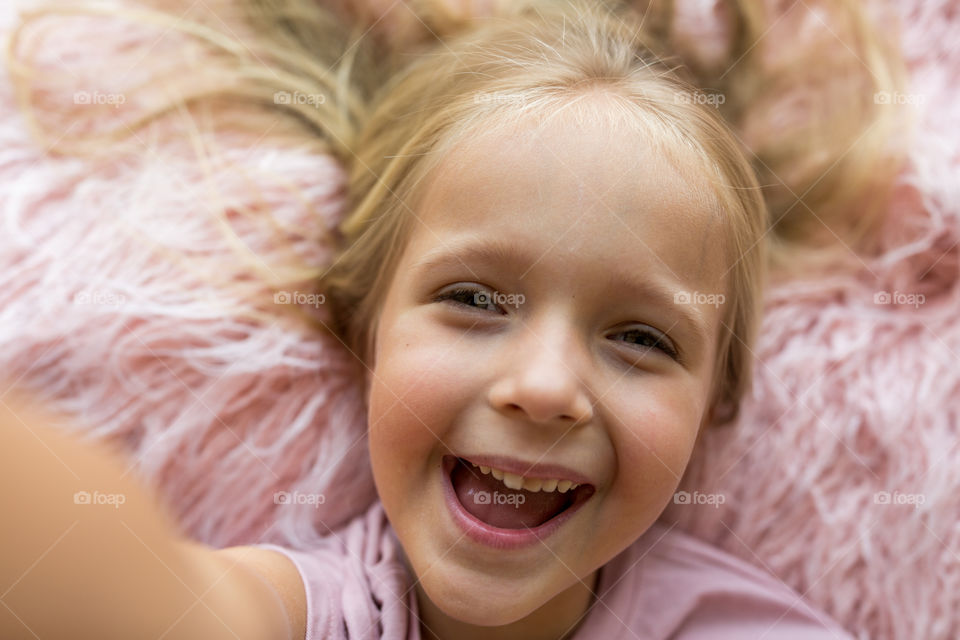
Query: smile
[506, 510]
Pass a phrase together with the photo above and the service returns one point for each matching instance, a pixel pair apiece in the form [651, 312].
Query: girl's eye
[468, 296]
[650, 339]
[644, 339]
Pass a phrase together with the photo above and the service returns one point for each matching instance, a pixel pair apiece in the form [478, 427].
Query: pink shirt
[665, 585]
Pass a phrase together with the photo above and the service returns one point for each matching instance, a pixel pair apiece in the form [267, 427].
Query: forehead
[578, 194]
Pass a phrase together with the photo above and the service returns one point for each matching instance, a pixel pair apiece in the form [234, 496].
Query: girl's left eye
[468, 297]
[650, 339]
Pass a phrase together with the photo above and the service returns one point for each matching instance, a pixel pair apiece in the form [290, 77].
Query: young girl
[553, 274]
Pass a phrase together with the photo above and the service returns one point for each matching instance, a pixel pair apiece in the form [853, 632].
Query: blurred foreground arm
[86, 551]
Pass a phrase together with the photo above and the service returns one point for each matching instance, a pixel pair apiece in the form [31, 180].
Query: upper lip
[544, 471]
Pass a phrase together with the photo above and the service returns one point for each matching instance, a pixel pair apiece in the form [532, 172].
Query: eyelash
[658, 343]
[460, 291]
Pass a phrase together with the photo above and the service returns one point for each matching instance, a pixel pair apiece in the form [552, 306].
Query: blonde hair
[546, 55]
[544, 60]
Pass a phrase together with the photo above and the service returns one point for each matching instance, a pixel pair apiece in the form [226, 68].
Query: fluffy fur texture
[220, 411]
[857, 402]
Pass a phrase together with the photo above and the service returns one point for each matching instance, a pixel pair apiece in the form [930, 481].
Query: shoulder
[355, 580]
[280, 573]
[689, 590]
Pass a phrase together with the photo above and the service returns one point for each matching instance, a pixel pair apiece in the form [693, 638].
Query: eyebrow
[456, 254]
[460, 254]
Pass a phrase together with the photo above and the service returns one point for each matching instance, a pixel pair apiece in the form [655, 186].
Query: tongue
[491, 501]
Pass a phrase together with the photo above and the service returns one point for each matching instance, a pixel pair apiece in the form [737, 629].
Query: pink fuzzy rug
[842, 476]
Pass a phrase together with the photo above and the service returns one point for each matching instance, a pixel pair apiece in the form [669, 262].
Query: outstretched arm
[86, 551]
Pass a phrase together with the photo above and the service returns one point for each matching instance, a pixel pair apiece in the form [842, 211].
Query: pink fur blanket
[841, 478]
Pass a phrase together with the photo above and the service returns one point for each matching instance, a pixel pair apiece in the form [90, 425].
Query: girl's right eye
[468, 297]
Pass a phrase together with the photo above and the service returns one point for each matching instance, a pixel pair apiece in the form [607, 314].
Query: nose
[542, 378]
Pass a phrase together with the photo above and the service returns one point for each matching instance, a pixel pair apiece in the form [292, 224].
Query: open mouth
[488, 498]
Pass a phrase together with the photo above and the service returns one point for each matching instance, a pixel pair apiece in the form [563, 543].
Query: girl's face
[530, 327]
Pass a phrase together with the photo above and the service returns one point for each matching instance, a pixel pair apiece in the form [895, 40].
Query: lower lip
[495, 537]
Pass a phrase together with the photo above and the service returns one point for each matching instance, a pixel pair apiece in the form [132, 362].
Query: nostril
[566, 417]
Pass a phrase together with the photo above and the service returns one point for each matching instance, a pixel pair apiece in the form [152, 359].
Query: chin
[491, 607]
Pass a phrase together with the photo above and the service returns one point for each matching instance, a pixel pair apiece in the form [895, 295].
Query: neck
[557, 619]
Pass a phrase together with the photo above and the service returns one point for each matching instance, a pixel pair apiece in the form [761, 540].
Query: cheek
[654, 445]
[413, 400]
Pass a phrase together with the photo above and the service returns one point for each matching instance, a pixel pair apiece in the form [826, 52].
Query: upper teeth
[514, 481]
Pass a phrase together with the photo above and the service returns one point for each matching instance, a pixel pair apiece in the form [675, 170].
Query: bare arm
[110, 562]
